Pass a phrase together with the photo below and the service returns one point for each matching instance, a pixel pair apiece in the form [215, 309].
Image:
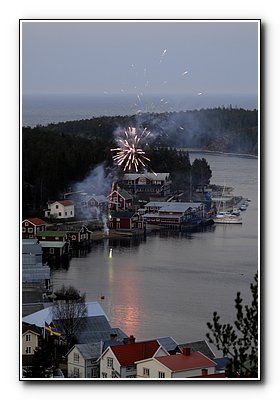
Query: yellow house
[30, 338]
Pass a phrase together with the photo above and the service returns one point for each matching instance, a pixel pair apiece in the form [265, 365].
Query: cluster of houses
[103, 352]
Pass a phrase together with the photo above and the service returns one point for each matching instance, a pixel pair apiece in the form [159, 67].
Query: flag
[50, 330]
[115, 374]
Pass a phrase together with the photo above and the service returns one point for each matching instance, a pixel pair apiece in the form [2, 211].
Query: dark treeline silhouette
[57, 156]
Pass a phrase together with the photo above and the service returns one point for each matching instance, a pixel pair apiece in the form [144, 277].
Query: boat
[243, 207]
[235, 211]
[228, 219]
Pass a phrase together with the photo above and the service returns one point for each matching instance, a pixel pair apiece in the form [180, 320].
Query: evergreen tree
[240, 342]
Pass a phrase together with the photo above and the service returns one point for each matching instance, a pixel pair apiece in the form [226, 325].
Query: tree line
[56, 156]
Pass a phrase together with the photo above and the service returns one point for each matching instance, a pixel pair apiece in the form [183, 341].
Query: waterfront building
[31, 226]
[33, 270]
[119, 200]
[61, 209]
[125, 220]
[147, 183]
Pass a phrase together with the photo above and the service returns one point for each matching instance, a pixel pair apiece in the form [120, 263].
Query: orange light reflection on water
[125, 311]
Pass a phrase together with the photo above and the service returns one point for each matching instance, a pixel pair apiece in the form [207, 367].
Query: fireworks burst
[129, 153]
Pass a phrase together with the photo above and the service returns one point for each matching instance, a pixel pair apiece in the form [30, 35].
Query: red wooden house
[120, 200]
[31, 226]
[125, 220]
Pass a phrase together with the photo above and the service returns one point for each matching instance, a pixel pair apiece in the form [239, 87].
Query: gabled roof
[98, 198]
[89, 350]
[30, 328]
[128, 354]
[221, 362]
[40, 317]
[63, 202]
[181, 362]
[123, 193]
[35, 221]
[200, 345]
[99, 336]
[168, 343]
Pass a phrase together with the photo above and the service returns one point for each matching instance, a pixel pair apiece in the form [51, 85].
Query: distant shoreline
[216, 152]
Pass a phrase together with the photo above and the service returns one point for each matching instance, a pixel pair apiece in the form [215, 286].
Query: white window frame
[110, 362]
[30, 230]
[28, 350]
[146, 371]
[51, 250]
[76, 357]
[161, 374]
[28, 337]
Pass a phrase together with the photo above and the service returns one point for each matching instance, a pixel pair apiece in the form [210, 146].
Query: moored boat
[228, 219]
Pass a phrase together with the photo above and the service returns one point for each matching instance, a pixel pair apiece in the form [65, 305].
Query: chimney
[186, 351]
[131, 339]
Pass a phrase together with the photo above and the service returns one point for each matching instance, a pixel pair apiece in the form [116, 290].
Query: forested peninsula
[56, 156]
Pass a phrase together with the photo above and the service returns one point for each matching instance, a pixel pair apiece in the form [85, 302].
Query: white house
[82, 360]
[183, 365]
[120, 361]
[60, 209]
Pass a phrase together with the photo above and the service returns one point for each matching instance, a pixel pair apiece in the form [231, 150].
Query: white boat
[235, 211]
[243, 207]
[228, 219]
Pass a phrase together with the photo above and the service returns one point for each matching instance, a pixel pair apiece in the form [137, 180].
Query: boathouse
[31, 226]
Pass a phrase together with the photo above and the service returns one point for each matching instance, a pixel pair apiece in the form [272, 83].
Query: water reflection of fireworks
[129, 153]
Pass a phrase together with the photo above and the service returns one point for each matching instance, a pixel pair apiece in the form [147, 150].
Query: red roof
[180, 362]
[128, 354]
[66, 202]
[36, 221]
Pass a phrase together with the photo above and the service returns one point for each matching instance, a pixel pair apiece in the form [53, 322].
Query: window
[28, 350]
[65, 213]
[161, 374]
[26, 224]
[71, 212]
[28, 337]
[76, 372]
[76, 357]
[30, 230]
[56, 206]
[146, 372]
[23, 229]
[104, 375]
[109, 362]
[59, 214]
[51, 250]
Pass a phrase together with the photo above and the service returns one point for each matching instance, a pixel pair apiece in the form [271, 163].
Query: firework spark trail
[129, 153]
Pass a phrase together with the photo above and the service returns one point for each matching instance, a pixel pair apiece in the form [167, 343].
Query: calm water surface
[171, 284]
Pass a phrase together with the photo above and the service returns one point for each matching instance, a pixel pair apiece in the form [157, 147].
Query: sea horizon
[44, 109]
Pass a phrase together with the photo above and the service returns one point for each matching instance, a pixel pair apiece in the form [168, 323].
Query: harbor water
[169, 284]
